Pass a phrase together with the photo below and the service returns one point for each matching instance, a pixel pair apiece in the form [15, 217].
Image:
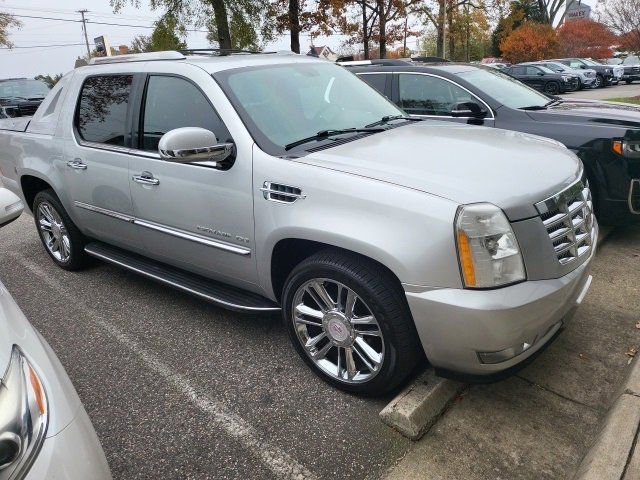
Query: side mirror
[468, 109]
[541, 74]
[11, 207]
[583, 67]
[194, 145]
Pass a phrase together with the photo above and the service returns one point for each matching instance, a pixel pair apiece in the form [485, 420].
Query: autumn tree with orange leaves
[585, 38]
[529, 42]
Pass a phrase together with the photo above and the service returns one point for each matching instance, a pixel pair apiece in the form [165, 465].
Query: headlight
[606, 70]
[487, 247]
[24, 415]
[627, 148]
[566, 78]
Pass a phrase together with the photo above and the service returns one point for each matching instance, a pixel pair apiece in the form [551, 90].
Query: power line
[42, 46]
[99, 23]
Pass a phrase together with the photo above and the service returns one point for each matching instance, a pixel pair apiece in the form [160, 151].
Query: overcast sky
[44, 35]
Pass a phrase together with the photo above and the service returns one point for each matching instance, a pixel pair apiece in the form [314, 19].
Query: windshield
[282, 104]
[614, 61]
[23, 88]
[590, 62]
[631, 60]
[505, 89]
[558, 67]
[545, 69]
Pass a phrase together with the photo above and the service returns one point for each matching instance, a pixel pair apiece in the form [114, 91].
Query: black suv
[544, 79]
[21, 97]
[604, 73]
[606, 136]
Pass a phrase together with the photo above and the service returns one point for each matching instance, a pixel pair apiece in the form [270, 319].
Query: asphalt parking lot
[178, 388]
[613, 91]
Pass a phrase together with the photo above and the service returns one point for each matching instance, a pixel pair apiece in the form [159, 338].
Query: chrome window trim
[167, 230]
[492, 117]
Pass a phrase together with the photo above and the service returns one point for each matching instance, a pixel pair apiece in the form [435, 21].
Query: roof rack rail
[385, 62]
[217, 51]
[138, 57]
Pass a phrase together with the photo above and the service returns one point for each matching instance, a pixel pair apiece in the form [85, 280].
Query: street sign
[103, 49]
[577, 11]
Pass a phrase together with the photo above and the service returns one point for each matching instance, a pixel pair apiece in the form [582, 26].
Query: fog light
[504, 355]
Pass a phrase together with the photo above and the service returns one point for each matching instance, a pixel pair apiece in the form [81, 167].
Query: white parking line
[278, 461]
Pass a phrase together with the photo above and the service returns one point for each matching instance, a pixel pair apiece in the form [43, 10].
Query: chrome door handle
[77, 164]
[146, 178]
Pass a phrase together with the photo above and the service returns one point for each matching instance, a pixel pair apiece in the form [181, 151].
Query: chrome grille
[568, 218]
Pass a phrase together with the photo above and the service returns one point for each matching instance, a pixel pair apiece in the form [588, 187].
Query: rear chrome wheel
[338, 331]
[61, 238]
[54, 233]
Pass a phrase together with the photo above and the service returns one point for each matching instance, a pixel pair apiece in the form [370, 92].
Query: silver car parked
[45, 433]
[284, 183]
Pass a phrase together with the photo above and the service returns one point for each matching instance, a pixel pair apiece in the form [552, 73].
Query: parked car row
[278, 182]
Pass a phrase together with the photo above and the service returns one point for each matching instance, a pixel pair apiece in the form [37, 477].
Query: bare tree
[623, 17]
[7, 21]
[551, 9]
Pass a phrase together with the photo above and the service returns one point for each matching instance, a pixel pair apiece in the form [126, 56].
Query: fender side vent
[276, 192]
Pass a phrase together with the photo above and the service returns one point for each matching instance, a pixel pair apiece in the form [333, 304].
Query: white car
[45, 432]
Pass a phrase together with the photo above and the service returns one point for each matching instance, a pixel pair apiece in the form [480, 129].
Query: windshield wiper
[328, 133]
[550, 103]
[387, 118]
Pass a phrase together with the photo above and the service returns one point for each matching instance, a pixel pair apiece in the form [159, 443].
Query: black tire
[386, 301]
[77, 258]
[552, 88]
[629, 82]
[599, 83]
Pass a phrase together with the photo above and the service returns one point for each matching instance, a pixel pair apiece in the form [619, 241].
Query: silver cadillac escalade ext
[281, 182]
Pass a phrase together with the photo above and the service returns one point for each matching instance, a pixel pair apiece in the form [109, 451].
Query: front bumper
[72, 454]
[456, 325]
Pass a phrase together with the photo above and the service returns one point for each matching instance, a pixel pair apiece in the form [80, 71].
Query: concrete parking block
[414, 411]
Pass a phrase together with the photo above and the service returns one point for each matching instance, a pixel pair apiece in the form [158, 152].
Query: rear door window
[428, 95]
[101, 116]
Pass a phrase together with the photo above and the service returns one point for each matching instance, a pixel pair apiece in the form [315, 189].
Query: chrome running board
[212, 291]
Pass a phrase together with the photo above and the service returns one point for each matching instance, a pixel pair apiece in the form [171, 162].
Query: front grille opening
[568, 220]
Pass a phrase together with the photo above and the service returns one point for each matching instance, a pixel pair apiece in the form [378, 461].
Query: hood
[15, 329]
[465, 164]
[591, 112]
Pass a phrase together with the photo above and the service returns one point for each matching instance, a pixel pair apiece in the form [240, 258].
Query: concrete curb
[615, 454]
[414, 411]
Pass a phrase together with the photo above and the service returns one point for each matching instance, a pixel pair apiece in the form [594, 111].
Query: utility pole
[404, 51]
[84, 27]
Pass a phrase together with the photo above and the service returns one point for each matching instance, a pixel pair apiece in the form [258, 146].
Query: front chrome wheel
[54, 232]
[338, 331]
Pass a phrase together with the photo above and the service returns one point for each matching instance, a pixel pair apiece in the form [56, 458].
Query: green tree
[7, 21]
[167, 35]
[231, 23]
[49, 80]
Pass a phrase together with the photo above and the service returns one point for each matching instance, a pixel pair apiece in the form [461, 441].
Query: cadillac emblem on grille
[568, 218]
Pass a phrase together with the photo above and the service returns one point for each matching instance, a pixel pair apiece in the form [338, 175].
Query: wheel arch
[31, 185]
[289, 252]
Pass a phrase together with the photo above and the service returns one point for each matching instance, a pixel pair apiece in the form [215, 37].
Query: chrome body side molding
[166, 230]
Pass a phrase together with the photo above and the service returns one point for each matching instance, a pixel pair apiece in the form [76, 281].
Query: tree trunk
[440, 29]
[382, 23]
[451, 39]
[222, 23]
[365, 34]
[294, 23]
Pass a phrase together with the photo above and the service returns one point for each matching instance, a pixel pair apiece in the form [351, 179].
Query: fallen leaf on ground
[583, 356]
[632, 351]
[638, 324]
